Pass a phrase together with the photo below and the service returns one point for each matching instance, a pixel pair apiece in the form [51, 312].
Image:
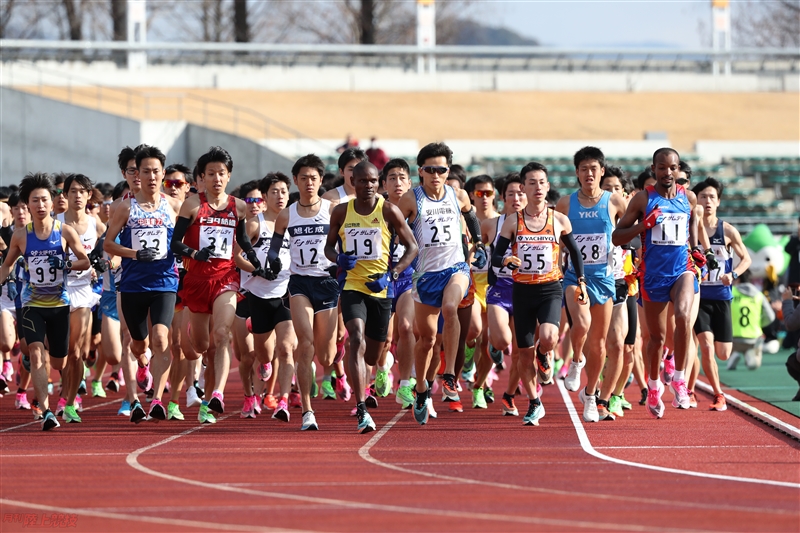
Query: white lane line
[678, 447]
[133, 462]
[588, 448]
[138, 518]
[99, 454]
[39, 421]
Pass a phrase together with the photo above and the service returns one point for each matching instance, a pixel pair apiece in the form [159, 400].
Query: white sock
[389, 362]
[678, 375]
[148, 354]
[653, 384]
[405, 383]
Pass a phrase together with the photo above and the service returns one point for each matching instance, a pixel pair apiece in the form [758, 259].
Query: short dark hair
[393, 164]
[647, 174]
[215, 154]
[686, 169]
[477, 180]
[119, 189]
[531, 167]
[435, 150]
[553, 196]
[13, 199]
[5, 192]
[514, 177]
[589, 153]
[145, 151]
[665, 150]
[293, 197]
[363, 167]
[124, 156]
[709, 182]
[105, 188]
[309, 161]
[33, 181]
[247, 188]
[620, 174]
[183, 169]
[457, 172]
[271, 179]
[350, 154]
[82, 180]
[58, 178]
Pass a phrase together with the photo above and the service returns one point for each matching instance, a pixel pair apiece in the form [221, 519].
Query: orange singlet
[538, 251]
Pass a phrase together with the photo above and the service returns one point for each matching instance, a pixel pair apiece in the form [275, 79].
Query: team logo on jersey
[589, 214]
[375, 220]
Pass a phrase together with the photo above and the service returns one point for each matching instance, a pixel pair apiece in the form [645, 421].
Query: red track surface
[471, 471]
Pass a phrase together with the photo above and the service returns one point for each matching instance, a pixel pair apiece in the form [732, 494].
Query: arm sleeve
[574, 253]
[176, 245]
[500, 252]
[241, 237]
[473, 225]
[791, 315]
[275, 244]
[465, 246]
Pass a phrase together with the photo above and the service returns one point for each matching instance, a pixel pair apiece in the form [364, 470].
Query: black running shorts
[136, 306]
[715, 316]
[374, 312]
[267, 313]
[535, 304]
[51, 323]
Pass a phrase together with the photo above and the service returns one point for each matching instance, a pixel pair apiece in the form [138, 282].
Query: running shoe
[270, 402]
[719, 403]
[589, 402]
[205, 416]
[449, 387]
[82, 387]
[643, 399]
[137, 412]
[97, 390]
[309, 422]
[257, 405]
[121, 379]
[558, 364]
[544, 367]
[573, 380]
[327, 390]
[192, 398]
[21, 401]
[456, 407]
[669, 369]
[681, 399]
[431, 411]
[478, 399]
[615, 405]
[562, 372]
[281, 411]
[49, 421]
[295, 400]
[157, 411]
[124, 409]
[149, 394]
[26, 363]
[113, 383]
[79, 403]
[371, 401]
[8, 370]
[734, 360]
[654, 404]
[509, 408]
[71, 415]
[248, 409]
[174, 411]
[534, 414]
[144, 379]
[343, 390]
[62, 403]
[314, 384]
[405, 396]
[488, 394]
[382, 384]
[468, 372]
[692, 400]
[625, 403]
[603, 413]
[265, 371]
[496, 355]
[365, 423]
[421, 413]
[216, 403]
[36, 410]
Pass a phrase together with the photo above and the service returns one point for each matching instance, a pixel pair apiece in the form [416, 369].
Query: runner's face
[347, 172]
[709, 200]
[397, 183]
[307, 181]
[366, 184]
[40, 203]
[612, 184]
[666, 169]
[589, 173]
[483, 202]
[434, 180]
[105, 209]
[253, 209]
[216, 178]
[151, 173]
[77, 196]
[515, 197]
[131, 175]
[61, 202]
[173, 188]
[277, 196]
[20, 214]
[536, 186]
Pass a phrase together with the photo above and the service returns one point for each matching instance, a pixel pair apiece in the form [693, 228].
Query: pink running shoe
[21, 401]
[562, 373]
[654, 404]
[294, 400]
[78, 403]
[144, 378]
[257, 405]
[281, 411]
[340, 351]
[491, 378]
[248, 409]
[669, 368]
[62, 403]
[8, 370]
[682, 400]
[120, 378]
[343, 390]
[538, 390]
[354, 411]
[216, 403]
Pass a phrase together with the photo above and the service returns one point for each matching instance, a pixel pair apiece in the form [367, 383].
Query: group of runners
[392, 288]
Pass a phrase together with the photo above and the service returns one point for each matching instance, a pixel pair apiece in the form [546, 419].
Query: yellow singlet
[368, 236]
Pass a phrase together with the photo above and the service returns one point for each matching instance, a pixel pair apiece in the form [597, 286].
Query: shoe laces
[543, 360]
[652, 397]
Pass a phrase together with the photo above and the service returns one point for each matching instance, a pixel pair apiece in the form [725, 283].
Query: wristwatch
[395, 274]
[734, 275]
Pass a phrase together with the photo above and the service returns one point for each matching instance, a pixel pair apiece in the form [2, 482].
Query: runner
[209, 222]
[314, 293]
[145, 224]
[442, 278]
[45, 301]
[714, 327]
[664, 212]
[363, 228]
[537, 292]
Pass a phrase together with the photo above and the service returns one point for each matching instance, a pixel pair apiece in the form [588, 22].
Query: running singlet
[623, 262]
[665, 246]
[149, 230]
[592, 228]
[216, 229]
[88, 240]
[503, 275]
[259, 286]
[307, 241]
[712, 288]
[369, 238]
[538, 251]
[437, 229]
[44, 285]
[343, 196]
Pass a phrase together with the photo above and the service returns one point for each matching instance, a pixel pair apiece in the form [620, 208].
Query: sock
[652, 384]
[388, 363]
[604, 403]
[679, 375]
[327, 377]
[20, 391]
[535, 402]
[422, 397]
[405, 383]
[508, 397]
[205, 403]
[430, 383]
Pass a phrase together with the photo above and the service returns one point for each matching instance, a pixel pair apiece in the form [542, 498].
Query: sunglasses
[174, 183]
[108, 202]
[681, 181]
[483, 194]
[434, 169]
[253, 200]
[130, 171]
[91, 206]
[59, 191]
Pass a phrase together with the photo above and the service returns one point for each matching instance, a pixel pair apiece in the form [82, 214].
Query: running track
[471, 471]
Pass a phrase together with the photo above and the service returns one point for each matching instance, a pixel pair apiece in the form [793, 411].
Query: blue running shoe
[421, 413]
[49, 421]
[124, 409]
[365, 423]
[534, 414]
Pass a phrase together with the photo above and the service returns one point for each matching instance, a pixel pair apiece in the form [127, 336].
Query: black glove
[275, 265]
[267, 274]
[479, 256]
[204, 255]
[98, 263]
[146, 254]
[58, 263]
[711, 260]
[252, 256]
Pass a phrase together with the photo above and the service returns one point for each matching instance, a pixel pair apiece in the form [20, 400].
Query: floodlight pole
[426, 34]
[721, 31]
[137, 33]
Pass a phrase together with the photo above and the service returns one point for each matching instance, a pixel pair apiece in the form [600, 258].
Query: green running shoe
[204, 416]
[327, 390]
[557, 365]
[488, 395]
[615, 405]
[174, 412]
[97, 390]
[469, 356]
[478, 399]
[625, 403]
[405, 396]
[382, 385]
[70, 414]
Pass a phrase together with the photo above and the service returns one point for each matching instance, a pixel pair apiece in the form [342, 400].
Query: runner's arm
[740, 249]
[176, 244]
[115, 225]
[276, 241]
[74, 244]
[404, 233]
[567, 238]
[337, 218]
[629, 226]
[12, 253]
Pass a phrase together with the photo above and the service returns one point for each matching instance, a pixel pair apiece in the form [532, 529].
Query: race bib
[671, 231]
[363, 242]
[440, 234]
[155, 238]
[619, 262]
[307, 252]
[536, 258]
[593, 247]
[220, 238]
[42, 274]
[721, 253]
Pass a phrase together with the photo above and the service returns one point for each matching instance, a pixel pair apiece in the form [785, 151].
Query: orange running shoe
[456, 407]
[719, 403]
[692, 400]
[270, 402]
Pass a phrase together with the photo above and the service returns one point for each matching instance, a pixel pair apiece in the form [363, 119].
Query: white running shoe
[192, 399]
[589, 402]
[654, 404]
[309, 422]
[573, 380]
[431, 411]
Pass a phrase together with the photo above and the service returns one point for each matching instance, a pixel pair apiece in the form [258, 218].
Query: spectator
[791, 319]
[750, 311]
[793, 249]
[349, 142]
[376, 155]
